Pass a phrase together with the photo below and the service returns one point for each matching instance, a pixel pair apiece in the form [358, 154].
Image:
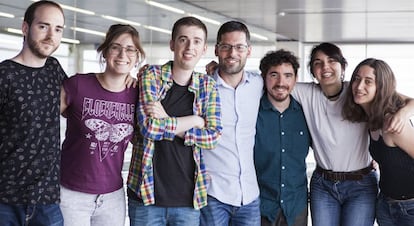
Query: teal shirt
[282, 144]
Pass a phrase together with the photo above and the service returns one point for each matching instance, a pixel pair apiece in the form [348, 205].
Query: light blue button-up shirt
[231, 165]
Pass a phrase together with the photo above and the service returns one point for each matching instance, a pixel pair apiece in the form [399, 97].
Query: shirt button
[281, 116]
[283, 167]
[283, 150]
[281, 201]
[283, 185]
[301, 132]
[283, 133]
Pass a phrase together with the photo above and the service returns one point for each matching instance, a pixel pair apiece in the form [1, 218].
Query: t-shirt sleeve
[70, 86]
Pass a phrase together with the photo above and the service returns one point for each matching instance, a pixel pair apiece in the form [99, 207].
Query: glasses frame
[116, 49]
[241, 48]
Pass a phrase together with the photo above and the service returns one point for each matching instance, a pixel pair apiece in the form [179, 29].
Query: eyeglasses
[228, 47]
[116, 49]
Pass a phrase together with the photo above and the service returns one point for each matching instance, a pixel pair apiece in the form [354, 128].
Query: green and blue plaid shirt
[154, 85]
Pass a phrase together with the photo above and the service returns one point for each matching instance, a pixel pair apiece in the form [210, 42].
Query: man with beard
[29, 122]
[282, 144]
[233, 192]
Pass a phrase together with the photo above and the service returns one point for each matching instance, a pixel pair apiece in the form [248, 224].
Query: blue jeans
[217, 213]
[141, 215]
[344, 203]
[392, 212]
[30, 215]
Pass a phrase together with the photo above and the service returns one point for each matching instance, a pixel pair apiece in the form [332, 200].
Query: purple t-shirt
[99, 128]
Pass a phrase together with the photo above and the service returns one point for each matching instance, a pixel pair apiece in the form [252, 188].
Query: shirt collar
[294, 105]
[166, 71]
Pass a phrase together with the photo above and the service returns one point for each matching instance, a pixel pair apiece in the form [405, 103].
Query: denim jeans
[141, 215]
[392, 212]
[30, 215]
[343, 203]
[217, 213]
[83, 209]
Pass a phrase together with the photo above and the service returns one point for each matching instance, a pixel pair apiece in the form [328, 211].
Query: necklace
[338, 93]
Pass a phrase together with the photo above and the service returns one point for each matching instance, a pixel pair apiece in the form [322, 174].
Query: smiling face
[233, 60]
[279, 82]
[189, 45]
[120, 59]
[364, 86]
[326, 70]
[43, 36]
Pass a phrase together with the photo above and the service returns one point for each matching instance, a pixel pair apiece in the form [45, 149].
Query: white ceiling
[308, 21]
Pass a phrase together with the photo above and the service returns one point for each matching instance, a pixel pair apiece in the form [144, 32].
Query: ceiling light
[205, 19]
[17, 31]
[84, 11]
[69, 40]
[166, 7]
[8, 15]
[14, 31]
[261, 37]
[158, 29]
[84, 30]
[121, 20]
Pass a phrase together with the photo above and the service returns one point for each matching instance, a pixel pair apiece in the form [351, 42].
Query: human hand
[211, 67]
[130, 81]
[155, 109]
[395, 123]
[199, 122]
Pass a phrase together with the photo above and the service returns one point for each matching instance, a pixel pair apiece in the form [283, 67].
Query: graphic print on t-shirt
[105, 136]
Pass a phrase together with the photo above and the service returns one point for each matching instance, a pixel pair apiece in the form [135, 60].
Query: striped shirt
[153, 86]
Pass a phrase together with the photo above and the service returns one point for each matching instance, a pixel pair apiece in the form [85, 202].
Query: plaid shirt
[154, 85]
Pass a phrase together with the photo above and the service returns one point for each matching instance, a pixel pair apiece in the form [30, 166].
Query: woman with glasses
[100, 123]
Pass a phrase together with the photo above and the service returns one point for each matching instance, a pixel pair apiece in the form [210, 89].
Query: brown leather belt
[340, 176]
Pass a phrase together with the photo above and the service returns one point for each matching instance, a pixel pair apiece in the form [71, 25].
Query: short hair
[386, 99]
[117, 30]
[31, 10]
[330, 50]
[275, 58]
[231, 26]
[188, 21]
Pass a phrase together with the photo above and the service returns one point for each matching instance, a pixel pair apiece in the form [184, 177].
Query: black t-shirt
[30, 132]
[173, 162]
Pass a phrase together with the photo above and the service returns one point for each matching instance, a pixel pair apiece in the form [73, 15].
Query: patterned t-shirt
[100, 124]
[30, 132]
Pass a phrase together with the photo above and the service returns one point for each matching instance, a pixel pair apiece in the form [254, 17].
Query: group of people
[226, 148]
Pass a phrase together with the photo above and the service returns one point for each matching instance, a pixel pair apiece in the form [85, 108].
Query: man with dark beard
[282, 144]
[233, 192]
[29, 122]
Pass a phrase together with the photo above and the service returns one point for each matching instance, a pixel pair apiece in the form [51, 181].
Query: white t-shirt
[338, 144]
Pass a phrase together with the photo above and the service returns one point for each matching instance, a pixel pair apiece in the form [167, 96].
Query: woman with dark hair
[372, 98]
[100, 113]
[343, 186]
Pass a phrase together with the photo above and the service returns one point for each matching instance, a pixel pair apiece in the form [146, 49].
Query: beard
[279, 97]
[234, 69]
[36, 48]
